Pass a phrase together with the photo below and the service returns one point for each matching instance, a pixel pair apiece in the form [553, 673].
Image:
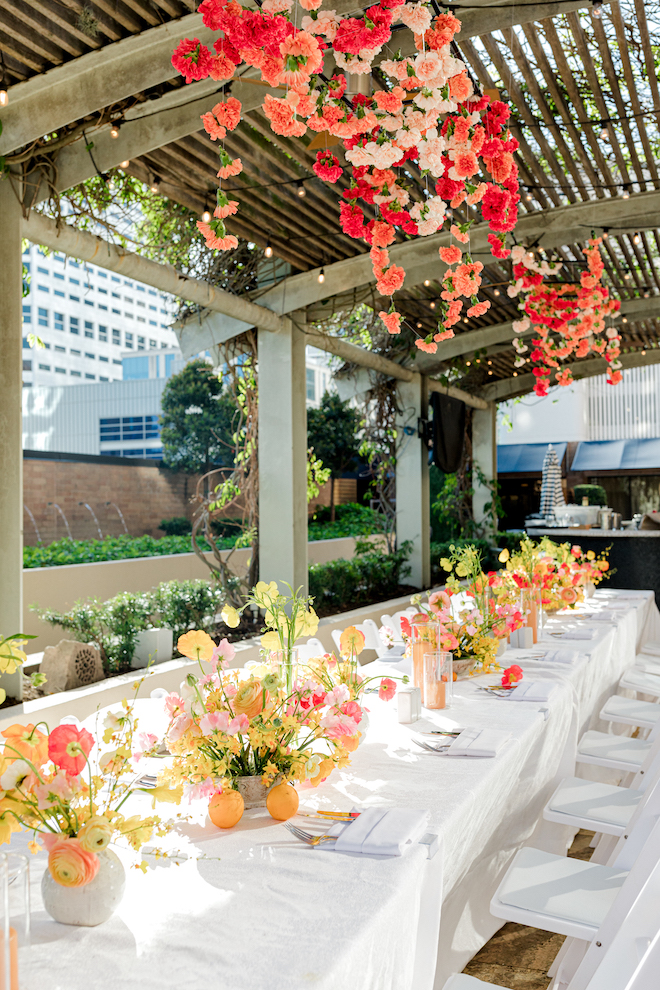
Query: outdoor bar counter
[634, 553]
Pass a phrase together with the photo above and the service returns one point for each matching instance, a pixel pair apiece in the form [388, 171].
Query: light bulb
[490, 362]
[496, 292]
[468, 363]
[114, 131]
[124, 164]
[427, 282]
[604, 134]
[302, 192]
[490, 372]
[432, 305]
[322, 276]
[515, 374]
[4, 97]
[269, 251]
[627, 275]
[626, 194]
[597, 10]
[528, 196]
[643, 353]
[206, 216]
[636, 239]
[155, 186]
[529, 256]
[419, 326]
[465, 320]
[625, 319]
[606, 234]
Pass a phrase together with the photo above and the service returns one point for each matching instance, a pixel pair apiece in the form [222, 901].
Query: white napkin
[560, 656]
[532, 691]
[653, 648]
[578, 634]
[479, 742]
[382, 832]
[603, 617]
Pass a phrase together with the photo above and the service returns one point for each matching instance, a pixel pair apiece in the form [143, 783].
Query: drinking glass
[425, 637]
[15, 927]
[438, 679]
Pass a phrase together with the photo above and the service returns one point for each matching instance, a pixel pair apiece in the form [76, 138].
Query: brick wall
[145, 493]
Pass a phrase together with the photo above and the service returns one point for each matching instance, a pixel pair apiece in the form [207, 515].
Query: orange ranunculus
[70, 865]
[568, 595]
[351, 642]
[196, 645]
[249, 699]
[26, 741]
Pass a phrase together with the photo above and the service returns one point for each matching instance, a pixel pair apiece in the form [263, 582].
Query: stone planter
[92, 904]
[253, 791]
[153, 646]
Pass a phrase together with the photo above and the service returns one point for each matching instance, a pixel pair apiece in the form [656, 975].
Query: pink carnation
[450, 255]
[192, 59]
[227, 210]
[391, 280]
[392, 321]
[234, 168]
[425, 345]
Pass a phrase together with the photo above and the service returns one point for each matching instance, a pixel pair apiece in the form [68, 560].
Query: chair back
[312, 648]
[626, 949]
[372, 640]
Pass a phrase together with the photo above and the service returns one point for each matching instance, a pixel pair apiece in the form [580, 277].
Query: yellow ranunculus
[230, 616]
[196, 645]
[249, 699]
[504, 556]
[271, 641]
[95, 833]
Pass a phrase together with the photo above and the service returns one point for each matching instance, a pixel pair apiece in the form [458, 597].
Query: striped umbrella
[552, 493]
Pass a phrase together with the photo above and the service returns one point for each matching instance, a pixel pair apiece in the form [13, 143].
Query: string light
[625, 319]
[4, 96]
[528, 195]
[636, 239]
[604, 134]
[643, 353]
[419, 326]
[269, 251]
[427, 282]
[597, 10]
[490, 372]
[468, 363]
[124, 164]
[626, 193]
[206, 216]
[114, 130]
[300, 189]
[155, 185]
[322, 276]
[496, 292]
[606, 233]
[432, 305]
[627, 275]
[515, 374]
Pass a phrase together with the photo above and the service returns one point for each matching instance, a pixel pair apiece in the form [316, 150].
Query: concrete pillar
[282, 457]
[11, 441]
[413, 517]
[484, 461]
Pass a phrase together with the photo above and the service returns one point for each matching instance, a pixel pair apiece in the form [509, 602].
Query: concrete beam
[79, 244]
[473, 401]
[68, 92]
[509, 388]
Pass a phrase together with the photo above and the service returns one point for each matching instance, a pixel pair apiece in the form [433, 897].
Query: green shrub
[351, 519]
[176, 526]
[111, 548]
[345, 584]
[183, 605]
[595, 493]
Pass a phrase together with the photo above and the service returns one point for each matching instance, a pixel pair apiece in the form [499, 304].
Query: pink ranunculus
[214, 720]
[387, 689]
[180, 725]
[239, 724]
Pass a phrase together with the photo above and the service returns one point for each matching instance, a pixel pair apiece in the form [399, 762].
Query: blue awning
[613, 455]
[528, 457]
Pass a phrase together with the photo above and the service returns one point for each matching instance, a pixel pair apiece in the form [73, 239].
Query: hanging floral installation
[569, 319]
[430, 115]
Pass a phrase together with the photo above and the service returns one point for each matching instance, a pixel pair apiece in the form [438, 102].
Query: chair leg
[566, 963]
[604, 848]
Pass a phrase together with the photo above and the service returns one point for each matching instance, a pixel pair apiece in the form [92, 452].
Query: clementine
[225, 810]
[282, 802]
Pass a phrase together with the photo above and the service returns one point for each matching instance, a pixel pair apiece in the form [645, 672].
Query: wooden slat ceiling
[586, 111]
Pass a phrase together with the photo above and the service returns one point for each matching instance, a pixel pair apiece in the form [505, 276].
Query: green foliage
[371, 575]
[113, 626]
[351, 519]
[447, 509]
[176, 526]
[317, 475]
[67, 551]
[183, 605]
[595, 493]
[509, 539]
[441, 550]
[331, 432]
[197, 424]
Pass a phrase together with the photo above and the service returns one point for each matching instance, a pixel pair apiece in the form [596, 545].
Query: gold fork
[311, 840]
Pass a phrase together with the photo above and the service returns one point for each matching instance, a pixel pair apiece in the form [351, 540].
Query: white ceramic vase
[89, 905]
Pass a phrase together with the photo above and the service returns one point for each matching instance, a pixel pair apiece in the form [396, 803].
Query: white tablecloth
[264, 912]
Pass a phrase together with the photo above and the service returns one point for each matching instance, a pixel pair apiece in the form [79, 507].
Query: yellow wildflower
[230, 616]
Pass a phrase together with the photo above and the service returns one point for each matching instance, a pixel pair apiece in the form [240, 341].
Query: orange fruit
[282, 802]
[225, 810]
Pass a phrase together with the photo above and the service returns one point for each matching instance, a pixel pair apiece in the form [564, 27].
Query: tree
[331, 432]
[198, 420]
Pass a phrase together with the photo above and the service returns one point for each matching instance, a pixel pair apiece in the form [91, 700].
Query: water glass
[15, 923]
[438, 679]
[425, 637]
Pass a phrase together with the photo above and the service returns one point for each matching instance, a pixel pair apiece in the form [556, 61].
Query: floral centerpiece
[240, 738]
[558, 572]
[71, 800]
[472, 631]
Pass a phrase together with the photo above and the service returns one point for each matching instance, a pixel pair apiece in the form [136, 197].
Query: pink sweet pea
[178, 727]
[353, 710]
[204, 789]
[337, 724]
[223, 654]
[214, 720]
[239, 724]
[338, 696]
[146, 741]
[387, 689]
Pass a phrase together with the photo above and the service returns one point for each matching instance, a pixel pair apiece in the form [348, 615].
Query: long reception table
[252, 908]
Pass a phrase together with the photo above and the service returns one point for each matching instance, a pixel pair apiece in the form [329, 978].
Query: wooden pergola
[586, 111]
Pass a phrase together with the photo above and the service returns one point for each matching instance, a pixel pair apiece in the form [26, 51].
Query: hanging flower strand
[430, 116]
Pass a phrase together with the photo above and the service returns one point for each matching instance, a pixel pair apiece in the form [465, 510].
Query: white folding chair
[372, 640]
[312, 648]
[641, 681]
[630, 711]
[602, 749]
[624, 956]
